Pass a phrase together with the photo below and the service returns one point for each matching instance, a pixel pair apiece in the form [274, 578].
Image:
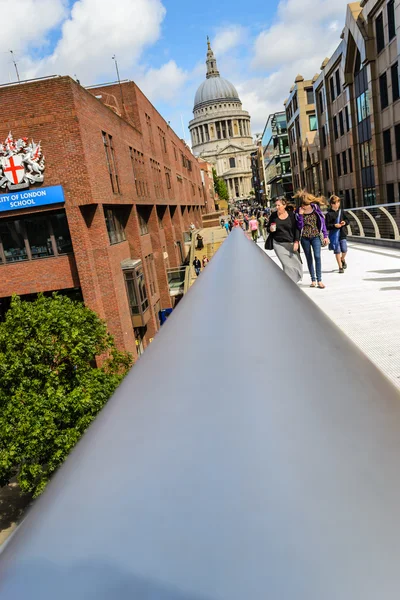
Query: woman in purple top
[311, 223]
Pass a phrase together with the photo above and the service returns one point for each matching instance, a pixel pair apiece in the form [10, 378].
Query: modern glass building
[276, 152]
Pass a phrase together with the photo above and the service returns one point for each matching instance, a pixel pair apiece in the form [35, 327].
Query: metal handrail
[233, 462]
[377, 222]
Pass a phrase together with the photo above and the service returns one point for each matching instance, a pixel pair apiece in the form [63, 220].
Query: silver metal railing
[380, 222]
[232, 463]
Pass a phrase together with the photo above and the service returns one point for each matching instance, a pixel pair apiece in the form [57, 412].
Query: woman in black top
[285, 234]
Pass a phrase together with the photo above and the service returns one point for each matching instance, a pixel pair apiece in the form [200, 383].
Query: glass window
[366, 155]
[132, 296]
[363, 108]
[142, 289]
[115, 220]
[12, 236]
[338, 89]
[387, 146]
[383, 91]
[332, 87]
[338, 165]
[346, 110]
[380, 36]
[391, 20]
[136, 289]
[341, 123]
[395, 81]
[232, 163]
[390, 192]
[312, 119]
[350, 161]
[397, 137]
[321, 101]
[38, 234]
[324, 142]
[310, 95]
[61, 233]
[369, 196]
[344, 162]
[143, 217]
[326, 164]
[335, 127]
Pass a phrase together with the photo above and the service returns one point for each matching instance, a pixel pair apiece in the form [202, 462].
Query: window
[344, 162]
[143, 216]
[168, 179]
[321, 101]
[324, 142]
[149, 130]
[341, 123]
[338, 165]
[138, 168]
[395, 81]
[151, 270]
[380, 36]
[387, 146]
[350, 160]
[310, 95]
[136, 290]
[391, 20]
[116, 218]
[366, 156]
[353, 197]
[160, 216]
[337, 76]
[232, 163]
[332, 88]
[383, 91]
[326, 166]
[312, 120]
[397, 137]
[346, 111]
[390, 192]
[363, 108]
[335, 128]
[346, 198]
[34, 236]
[110, 158]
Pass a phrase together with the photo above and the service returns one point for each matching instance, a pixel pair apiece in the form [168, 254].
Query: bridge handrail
[252, 452]
[378, 222]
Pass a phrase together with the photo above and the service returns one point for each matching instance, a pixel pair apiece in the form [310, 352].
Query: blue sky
[161, 44]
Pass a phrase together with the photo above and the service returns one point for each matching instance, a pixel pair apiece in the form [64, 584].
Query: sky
[260, 46]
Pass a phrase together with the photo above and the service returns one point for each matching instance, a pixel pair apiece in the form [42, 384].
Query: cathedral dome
[215, 88]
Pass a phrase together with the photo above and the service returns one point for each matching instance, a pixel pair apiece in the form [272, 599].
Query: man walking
[197, 265]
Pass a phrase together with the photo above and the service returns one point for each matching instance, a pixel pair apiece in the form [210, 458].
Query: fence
[379, 222]
[252, 453]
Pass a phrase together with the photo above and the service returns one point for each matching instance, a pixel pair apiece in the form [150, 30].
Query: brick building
[130, 186]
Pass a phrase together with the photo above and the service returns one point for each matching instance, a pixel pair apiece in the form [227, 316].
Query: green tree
[50, 386]
[220, 187]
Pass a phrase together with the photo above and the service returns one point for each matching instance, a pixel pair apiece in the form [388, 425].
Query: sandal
[321, 285]
[313, 284]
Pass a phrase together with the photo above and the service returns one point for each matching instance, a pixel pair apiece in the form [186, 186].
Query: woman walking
[285, 234]
[336, 223]
[314, 234]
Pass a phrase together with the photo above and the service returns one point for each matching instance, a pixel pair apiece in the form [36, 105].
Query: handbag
[269, 242]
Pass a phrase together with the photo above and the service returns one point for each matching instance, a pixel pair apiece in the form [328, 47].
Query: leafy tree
[220, 186]
[50, 386]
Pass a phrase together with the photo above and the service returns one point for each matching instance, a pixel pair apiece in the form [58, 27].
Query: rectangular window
[346, 111]
[143, 216]
[332, 88]
[335, 128]
[168, 179]
[391, 20]
[310, 95]
[344, 162]
[151, 273]
[111, 164]
[387, 146]
[369, 196]
[321, 101]
[350, 160]
[383, 89]
[346, 198]
[337, 76]
[33, 237]
[395, 81]
[353, 197]
[116, 218]
[390, 192]
[326, 166]
[338, 165]
[366, 155]
[136, 290]
[312, 120]
[363, 108]
[232, 163]
[341, 123]
[380, 35]
[397, 137]
[324, 142]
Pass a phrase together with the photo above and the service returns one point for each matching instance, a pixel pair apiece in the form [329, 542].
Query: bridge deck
[364, 302]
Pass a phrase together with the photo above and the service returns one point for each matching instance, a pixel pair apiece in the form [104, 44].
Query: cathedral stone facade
[221, 131]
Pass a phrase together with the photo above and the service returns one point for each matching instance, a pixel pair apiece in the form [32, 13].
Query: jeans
[310, 246]
[197, 271]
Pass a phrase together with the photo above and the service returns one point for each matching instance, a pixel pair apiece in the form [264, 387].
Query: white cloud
[96, 30]
[227, 38]
[304, 30]
[164, 83]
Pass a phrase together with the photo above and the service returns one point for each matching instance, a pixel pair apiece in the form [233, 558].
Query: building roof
[215, 87]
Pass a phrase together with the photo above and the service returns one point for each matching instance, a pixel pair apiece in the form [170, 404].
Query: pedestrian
[282, 227]
[197, 266]
[200, 244]
[246, 222]
[253, 224]
[222, 222]
[205, 261]
[314, 234]
[227, 228]
[336, 224]
[262, 226]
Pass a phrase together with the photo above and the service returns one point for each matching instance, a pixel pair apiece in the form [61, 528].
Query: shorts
[341, 247]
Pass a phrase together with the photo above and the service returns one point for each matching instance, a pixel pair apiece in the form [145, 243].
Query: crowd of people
[303, 225]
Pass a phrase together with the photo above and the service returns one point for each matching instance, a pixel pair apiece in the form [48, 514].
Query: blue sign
[31, 198]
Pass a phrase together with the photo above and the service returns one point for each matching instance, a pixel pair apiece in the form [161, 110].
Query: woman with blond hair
[314, 234]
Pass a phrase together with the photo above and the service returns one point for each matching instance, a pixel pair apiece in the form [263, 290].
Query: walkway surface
[364, 302]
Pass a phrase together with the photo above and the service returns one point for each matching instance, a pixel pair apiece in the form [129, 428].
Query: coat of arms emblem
[21, 163]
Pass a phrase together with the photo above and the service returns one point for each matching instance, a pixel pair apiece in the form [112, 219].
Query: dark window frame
[383, 90]
[394, 72]
[387, 145]
[379, 33]
[391, 20]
